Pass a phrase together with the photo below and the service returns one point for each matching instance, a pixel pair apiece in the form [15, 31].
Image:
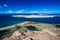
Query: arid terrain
[34, 31]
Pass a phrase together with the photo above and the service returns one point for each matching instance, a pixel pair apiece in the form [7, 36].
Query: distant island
[34, 16]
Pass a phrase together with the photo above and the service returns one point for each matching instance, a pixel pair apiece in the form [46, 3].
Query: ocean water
[7, 20]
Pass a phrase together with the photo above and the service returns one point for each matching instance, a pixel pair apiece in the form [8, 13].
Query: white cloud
[48, 12]
[45, 9]
[0, 6]
[10, 11]
[5, 5]
[34, 12]
[20, 11]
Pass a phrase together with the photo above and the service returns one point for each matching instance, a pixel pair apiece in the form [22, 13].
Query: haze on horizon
[29, 6]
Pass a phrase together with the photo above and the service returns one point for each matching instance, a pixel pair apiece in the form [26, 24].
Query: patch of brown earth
[33, 35]
[27, 23]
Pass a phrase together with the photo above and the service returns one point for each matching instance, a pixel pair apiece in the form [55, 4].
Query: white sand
[14, 25]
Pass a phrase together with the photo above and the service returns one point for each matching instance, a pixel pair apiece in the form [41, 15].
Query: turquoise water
[6, 20]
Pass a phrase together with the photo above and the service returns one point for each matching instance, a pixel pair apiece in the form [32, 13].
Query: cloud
[45, 9]
[34, 12]
[20, 11]
[5, 5]
[9, 11]
[0, 6]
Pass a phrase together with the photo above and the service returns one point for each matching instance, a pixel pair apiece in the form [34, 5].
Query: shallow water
[7, 20]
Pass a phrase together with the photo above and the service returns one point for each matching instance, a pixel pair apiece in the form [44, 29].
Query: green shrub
[23, 29]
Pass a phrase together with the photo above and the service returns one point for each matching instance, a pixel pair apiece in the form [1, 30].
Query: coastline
[14, 25]
[20, 24]
[7, 27]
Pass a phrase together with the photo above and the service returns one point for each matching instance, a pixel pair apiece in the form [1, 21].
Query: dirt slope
[34, 35]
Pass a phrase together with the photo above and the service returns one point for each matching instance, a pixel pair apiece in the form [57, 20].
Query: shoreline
[20, 24]
[7, 27]
[14, 25]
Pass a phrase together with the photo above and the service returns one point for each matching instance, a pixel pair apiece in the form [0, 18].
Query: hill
[32, 31]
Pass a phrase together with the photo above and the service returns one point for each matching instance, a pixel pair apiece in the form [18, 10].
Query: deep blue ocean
[8, 20]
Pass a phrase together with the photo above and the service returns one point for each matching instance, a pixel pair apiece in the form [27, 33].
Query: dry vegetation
[33, 31]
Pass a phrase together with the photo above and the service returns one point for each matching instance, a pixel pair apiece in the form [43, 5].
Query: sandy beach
[19, 24]
[14, 25]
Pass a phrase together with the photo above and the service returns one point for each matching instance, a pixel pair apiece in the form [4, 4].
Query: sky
[29, 6]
